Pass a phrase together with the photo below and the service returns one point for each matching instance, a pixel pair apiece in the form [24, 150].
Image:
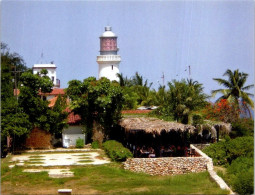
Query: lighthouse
[108, 60]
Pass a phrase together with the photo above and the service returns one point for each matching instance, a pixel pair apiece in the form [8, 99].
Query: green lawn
[104, 179]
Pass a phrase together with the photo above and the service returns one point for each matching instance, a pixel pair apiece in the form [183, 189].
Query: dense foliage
[223, 110]
[14, 122]
[24, 111]
[224, 152]
[241, 175]
[96, 101]
[237, 156]
[235, 89]
[116, 151]
[242, 127]
[181, 99]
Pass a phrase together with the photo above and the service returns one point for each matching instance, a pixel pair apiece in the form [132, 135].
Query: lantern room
[108, 42]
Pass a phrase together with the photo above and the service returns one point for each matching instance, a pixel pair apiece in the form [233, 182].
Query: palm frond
[245, 97]
[222, 91]
[242, 79]
[247, 87]
[223, 82]
[250, 94]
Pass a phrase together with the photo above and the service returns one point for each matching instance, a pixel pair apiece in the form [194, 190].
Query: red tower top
[108, 42]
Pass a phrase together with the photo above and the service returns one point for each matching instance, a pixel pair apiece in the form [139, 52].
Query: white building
[108, 60]
[52, 73]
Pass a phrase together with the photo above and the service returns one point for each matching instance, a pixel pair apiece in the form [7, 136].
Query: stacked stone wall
[167, 166]
[39, 139]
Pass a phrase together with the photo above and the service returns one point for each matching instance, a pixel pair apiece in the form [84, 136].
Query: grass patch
[85, 161]
[104, 179]
[33, 162]
[114, 180]
[82, 155]
[35, 157]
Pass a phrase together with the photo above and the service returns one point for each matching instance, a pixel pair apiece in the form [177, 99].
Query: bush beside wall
[116, 151]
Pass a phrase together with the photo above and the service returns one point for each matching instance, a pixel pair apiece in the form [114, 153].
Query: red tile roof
[53, 101]
[55, 91]
[72, 118]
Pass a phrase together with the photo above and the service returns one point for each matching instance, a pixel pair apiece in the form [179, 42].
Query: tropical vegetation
[24, 111]
[98, 102]
[235, 90]
[116, 151]
[236, 155]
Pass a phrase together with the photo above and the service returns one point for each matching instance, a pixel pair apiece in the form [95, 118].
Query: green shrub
[80, 143]
[240, 175]
[243, 182]
[223, 153]
[116, 151]
[242, 127]
[241, 146]
[217, 152]
[241, 164]
[95, 144]
[197, 119]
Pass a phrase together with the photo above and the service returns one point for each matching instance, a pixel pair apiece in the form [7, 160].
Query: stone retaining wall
[166, 166]
[212, 173]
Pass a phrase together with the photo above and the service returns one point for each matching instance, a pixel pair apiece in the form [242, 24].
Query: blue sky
[153, 37]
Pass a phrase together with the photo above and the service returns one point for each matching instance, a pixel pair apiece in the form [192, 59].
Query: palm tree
[123, 81]
[235, 89]
[138, 80]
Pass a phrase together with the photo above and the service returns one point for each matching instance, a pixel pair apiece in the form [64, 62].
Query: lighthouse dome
[108, 32]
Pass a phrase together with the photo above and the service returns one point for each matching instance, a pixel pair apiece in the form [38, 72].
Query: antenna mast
[163, 78]
[189, 71]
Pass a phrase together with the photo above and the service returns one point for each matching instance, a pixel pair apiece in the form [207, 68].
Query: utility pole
[189, 71]
[16, 95]
[15, 81]
[163, 78]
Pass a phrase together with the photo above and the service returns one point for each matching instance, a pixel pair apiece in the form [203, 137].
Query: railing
[109, 58]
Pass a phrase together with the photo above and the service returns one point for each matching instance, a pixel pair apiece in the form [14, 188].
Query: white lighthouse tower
[108, 60]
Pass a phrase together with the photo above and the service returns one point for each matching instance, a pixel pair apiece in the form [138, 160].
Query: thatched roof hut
[153, 125]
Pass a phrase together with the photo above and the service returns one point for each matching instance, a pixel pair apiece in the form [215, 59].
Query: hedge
[116, 151]
[223, 153]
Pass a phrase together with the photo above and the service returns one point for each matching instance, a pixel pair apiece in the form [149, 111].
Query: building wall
[39, 139]
[167, 166]
[71, 134]
[51, 70]
[109, 71]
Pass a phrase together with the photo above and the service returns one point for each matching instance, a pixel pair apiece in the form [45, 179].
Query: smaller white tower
[108, 60]
[52, 73]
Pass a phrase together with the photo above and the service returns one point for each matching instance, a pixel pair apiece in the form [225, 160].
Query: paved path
[46, 159]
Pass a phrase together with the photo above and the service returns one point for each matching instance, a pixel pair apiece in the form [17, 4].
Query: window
[52, 78]
[112, 67]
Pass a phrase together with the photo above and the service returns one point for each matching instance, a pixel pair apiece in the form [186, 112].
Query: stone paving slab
[59, 159]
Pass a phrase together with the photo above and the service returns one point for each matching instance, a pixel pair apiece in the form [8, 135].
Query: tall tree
[96, 101]
[14, 122]
[182, 98]
[124, 81]
[235, 90]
